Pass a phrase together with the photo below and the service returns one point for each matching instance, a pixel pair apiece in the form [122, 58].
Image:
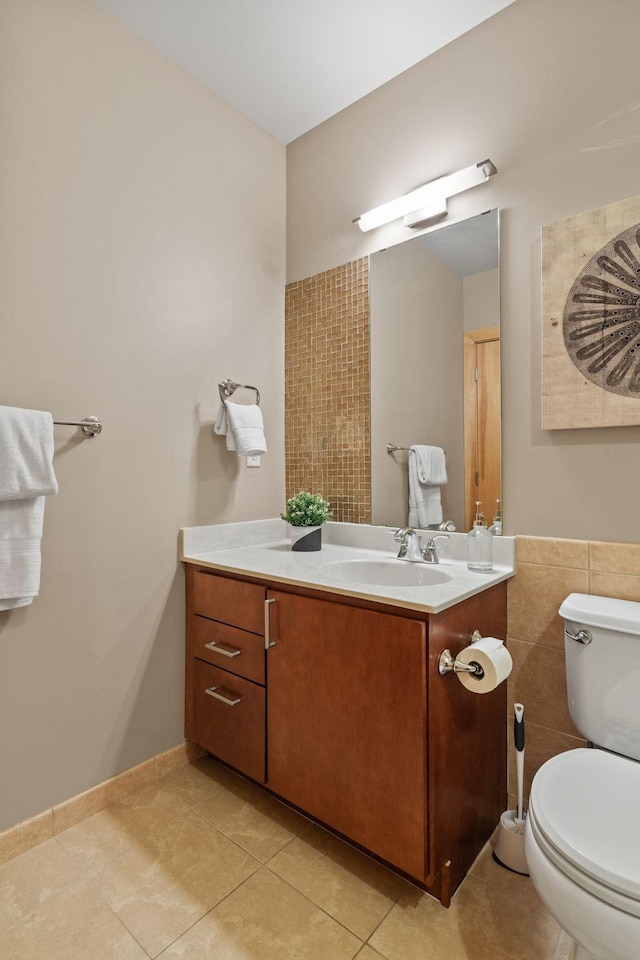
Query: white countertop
[262, 549]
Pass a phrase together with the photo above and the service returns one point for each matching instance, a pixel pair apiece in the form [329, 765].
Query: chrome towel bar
[90, 426]
[228, 387]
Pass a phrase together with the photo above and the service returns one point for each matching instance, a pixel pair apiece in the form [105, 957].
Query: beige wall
[481, 299]
[541, 89]
[416, 376]
[141, 261]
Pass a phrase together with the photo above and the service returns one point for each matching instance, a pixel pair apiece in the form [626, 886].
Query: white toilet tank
[603, 674]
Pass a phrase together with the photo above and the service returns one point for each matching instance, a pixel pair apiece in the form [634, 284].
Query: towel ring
[227, 388]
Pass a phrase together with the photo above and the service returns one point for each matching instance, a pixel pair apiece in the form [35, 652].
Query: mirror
[435, 367]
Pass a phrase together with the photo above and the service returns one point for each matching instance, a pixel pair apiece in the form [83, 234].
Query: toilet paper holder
[449, 664]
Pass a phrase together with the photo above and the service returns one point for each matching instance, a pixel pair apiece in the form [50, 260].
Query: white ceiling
[290, 64]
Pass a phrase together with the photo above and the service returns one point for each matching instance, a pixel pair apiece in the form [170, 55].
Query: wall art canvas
[591, 318]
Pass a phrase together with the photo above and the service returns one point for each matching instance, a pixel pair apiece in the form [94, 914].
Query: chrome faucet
[430, 552]
[410, 545]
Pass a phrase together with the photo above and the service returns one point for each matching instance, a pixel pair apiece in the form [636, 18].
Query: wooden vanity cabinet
[363, 733]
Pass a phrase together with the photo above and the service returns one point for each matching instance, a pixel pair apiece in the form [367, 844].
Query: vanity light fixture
[429, 201]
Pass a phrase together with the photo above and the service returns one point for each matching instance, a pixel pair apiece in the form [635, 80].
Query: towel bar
[393, 448]
[228, 387]
[90, 426]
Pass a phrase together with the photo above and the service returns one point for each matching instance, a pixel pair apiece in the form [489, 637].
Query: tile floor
[205, 866]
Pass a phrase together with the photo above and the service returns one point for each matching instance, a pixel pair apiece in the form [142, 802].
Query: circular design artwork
[601, 321]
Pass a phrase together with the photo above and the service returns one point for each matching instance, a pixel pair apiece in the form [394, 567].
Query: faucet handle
[402, 533]
[430, 552]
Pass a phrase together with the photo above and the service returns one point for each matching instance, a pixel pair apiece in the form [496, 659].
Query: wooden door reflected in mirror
[482, 457]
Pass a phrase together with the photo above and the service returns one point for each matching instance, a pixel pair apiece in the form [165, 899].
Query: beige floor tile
[367, 953]
[32, 878]
[256, 821]
[265, 919]
[509, 883]
[482, 923]
[105, 835]
[25, 835]
[352, 888]
[171, 760]
[161, 886]
[565, 949]
[196, 782]
[74, 925]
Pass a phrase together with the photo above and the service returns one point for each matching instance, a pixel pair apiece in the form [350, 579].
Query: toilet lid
[587, 806]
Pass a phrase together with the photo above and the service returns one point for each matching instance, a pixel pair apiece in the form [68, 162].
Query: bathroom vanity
[330, 696]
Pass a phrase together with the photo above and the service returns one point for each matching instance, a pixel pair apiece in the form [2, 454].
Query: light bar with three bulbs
[429, 201]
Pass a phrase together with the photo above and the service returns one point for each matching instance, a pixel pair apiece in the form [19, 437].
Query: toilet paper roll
[495, 660]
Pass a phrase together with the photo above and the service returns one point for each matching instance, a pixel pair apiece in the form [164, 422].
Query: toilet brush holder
[508, 850]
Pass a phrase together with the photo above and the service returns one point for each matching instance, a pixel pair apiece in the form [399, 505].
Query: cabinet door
[346, 724]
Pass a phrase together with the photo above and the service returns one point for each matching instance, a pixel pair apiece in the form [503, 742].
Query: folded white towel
[20, 534]
[26, 454]
[26, 475]
[243, 426]
[427, 471]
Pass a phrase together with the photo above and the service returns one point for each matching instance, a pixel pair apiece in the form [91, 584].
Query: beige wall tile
[327, 409]
[85, 804]
[534, 596]
[25, 835]
[615, 557]
[540, 745]
[552, 553]
[616, 585]
[539, 680]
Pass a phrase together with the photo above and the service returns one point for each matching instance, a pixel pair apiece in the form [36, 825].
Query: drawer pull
[225, 651]
[230, 700]
[268, 642]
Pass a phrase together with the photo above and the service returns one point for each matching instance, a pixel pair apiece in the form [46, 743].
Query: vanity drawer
[231, 601]
[238, 651]
[230, 718]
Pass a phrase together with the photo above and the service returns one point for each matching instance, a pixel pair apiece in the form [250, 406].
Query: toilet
[582, 837]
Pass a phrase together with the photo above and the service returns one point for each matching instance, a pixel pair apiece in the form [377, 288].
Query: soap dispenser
[496, 526]
[480, 544]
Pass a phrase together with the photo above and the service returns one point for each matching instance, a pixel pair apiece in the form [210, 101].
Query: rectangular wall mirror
[435, 366]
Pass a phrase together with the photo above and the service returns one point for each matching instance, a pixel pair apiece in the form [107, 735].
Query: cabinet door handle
[230, 700]
[225, 651]
[268, 642]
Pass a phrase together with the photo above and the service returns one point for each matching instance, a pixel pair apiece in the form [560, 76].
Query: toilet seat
[583, 813]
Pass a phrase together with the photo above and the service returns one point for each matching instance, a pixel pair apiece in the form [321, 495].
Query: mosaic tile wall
[327, 398]
[548, 570]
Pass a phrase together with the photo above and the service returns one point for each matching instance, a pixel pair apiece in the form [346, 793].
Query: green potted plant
[305, 513]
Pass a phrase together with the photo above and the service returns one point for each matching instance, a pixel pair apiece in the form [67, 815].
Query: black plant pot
[311, 540]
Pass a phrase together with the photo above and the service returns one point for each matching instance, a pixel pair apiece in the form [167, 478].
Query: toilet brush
[518, 738]
[509, 846]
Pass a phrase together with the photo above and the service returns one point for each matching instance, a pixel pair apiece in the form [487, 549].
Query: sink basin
[387, 573]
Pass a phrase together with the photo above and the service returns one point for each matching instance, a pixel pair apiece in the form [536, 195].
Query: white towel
[20, 534]
[427, 472]
[26, 476]
[243, 426]
[26, 454]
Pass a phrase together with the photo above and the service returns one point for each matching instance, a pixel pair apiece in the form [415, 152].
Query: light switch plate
[253, 461]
